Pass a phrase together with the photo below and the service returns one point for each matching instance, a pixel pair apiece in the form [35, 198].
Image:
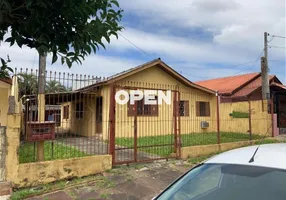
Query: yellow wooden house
[86, 111]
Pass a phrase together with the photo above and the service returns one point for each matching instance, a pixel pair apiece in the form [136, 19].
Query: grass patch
[192, 139]
[28, 152]
[268, 141]
[236, 114]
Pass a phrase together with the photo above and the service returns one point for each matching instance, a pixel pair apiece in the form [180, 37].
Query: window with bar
[66, 112]
[79, 110]
[202, 109]
[184, 108]
[142, 109]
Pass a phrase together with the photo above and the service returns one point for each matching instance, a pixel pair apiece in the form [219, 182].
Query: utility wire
[228, 67]
[134, 44]
[276, 60]
[278, 36]
[254, 63]
[277, 47]
[232, 67]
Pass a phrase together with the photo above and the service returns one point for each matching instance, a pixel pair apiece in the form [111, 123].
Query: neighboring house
[242, 87]
[5, 91]
[86, 111]
[248, 87]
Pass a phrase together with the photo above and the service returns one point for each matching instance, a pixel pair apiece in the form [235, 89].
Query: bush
[236, 114]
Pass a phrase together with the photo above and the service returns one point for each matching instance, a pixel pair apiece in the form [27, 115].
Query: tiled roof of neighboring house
[278, 85]
[6, 80]
[228, 85]
[250, 87]
[157, 62]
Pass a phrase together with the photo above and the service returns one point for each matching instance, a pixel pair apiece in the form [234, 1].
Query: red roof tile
[279, 85]
[228, 84]
[250, 87]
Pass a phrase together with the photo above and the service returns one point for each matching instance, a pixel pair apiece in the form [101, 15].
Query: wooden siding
[260, 120]
[162, 124]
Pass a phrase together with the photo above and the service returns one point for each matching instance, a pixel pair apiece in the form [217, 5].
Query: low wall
[204, 150]
[31, 174]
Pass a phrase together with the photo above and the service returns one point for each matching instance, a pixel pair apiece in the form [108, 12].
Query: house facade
[87, 111]
[248, 87]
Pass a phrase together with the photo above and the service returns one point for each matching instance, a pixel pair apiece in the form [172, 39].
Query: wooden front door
[99, 115]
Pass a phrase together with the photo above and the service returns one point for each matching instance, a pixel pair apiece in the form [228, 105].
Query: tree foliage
[4, 69]
[54, 86]
[28, 84]
[70, 29]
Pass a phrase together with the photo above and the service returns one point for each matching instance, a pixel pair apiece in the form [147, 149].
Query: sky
[201, 39]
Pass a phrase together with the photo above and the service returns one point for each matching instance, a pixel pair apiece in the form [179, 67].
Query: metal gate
[141, 132]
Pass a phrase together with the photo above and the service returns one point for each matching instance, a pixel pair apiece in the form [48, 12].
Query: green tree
[28, 84]
[70, 29]
[4, 69]
[54, 86]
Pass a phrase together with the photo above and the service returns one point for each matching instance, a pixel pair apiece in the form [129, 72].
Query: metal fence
[71, 122]
[87, 120]
[142, 132]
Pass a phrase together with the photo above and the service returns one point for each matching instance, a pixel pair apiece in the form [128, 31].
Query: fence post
[249, 118]
[135, 133]
[179, 125]
[112, 123]
[12, 146]
[272, 115]
[218, 118]
[41, 102]
[175, 122]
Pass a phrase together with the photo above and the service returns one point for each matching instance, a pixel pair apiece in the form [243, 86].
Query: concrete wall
[31, 174]
[5, 91]
[2, 152]
[261, 122]
[204, 150]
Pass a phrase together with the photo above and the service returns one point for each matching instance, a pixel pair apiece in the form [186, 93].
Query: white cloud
[96, 65]
[237, 28]
[215, 6]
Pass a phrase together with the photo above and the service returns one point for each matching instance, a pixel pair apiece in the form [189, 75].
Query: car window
[226, 181]
[197, 183]
[203, 183]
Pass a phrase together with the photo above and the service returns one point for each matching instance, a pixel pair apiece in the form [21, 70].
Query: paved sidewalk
[137, 182]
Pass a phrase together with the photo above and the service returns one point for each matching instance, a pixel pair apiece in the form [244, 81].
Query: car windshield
[228, 182]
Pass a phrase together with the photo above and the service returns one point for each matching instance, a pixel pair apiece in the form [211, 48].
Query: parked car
[249, 173]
